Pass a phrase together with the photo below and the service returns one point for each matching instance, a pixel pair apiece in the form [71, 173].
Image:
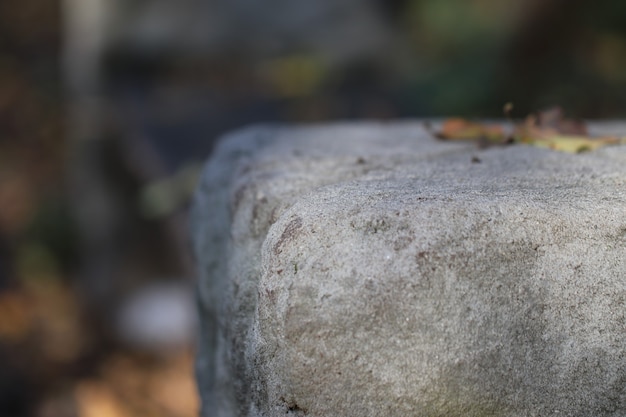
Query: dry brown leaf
[461, 129]
[545, 129]
[554, 118]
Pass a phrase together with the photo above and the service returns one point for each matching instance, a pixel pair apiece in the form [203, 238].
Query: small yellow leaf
[570, 144]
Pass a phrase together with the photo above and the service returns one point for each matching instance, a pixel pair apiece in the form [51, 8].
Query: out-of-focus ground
[109, 107]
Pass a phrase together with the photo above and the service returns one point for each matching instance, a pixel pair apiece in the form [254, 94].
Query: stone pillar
[371, 270]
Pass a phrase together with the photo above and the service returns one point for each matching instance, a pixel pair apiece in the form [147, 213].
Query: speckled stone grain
[370, 270]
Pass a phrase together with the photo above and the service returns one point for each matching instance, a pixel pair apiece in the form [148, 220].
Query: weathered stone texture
[370, 270]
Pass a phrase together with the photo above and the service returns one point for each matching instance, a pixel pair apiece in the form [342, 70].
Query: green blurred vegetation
[473, 56]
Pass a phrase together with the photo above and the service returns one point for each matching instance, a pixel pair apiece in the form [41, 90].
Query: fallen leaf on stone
[550, 129]
[545, 129]
[571, 144]
[554, 119]
[461, 129]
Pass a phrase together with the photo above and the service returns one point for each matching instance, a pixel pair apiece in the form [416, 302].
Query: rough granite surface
[370, 270]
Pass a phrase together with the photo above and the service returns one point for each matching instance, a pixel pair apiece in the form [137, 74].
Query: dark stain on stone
[377, 225]
[274, 215]
[619, 237]
[258, 206]
[293, 408]
[290, 231]
[402, 242]
[270, 295]
[237, 197]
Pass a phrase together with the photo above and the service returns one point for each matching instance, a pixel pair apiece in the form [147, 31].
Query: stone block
[370, 270]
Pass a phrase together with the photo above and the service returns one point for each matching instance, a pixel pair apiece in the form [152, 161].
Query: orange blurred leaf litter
[544, 129]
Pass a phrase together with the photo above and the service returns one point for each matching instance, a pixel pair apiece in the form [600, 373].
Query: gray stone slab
[370, 270]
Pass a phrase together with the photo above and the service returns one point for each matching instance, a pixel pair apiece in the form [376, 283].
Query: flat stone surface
[371, 270]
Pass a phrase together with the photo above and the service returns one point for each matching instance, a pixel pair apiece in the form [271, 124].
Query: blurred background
[108, 108]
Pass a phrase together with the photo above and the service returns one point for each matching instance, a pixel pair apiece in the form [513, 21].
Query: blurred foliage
[293, 76]
[59, 364]
[32, 146]
[449, 57]
[54, 359]
[163, 197]
[471, 57]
